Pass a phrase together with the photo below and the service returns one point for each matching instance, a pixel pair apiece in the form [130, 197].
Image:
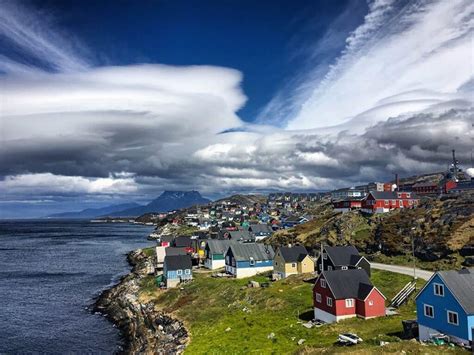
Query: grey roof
[240, 235]
[175, 251]
[352, 283]
[178, 262]
[218, 246]
[257, 251]
[343, 255]
[182, 241]
[389, 195]
[461, 284]
[260, 228]
[294, 253]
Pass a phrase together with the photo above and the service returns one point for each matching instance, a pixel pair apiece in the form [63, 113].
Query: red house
[341, 294]
[385, 201]
[347, 205]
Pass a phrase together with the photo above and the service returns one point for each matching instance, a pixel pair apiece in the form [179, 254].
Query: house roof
[178, 262]
[257, 251]
[343, 255]
[218, 246]
[390, 195]
[260, 228]
[352, 283]
[166, 238]
[175, 251]
[461, 284]
[182, 241]
[240, 235]
[293, 254]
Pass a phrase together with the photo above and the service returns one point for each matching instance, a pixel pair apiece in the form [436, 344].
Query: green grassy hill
[225, 317]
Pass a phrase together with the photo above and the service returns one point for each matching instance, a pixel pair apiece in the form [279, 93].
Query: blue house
[248, 259]
[445, 305]
[176, 269]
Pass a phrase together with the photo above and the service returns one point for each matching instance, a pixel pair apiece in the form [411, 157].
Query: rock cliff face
[145, 329]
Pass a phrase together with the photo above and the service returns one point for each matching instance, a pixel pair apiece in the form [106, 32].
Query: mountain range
[167, 201]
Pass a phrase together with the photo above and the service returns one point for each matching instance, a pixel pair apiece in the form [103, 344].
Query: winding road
[406, 270]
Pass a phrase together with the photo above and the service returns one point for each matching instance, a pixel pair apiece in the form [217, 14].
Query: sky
[103, 102]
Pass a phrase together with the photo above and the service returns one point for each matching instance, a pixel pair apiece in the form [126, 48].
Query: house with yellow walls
[292, 260]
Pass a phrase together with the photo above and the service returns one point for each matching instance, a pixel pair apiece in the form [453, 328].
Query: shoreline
[142, 327]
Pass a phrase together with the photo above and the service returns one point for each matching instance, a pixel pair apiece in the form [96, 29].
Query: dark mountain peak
[180, 194]
[167, 201]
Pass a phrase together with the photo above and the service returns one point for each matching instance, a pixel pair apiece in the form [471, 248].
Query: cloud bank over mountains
[397, 99]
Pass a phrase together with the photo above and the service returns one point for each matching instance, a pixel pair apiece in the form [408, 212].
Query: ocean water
[50, 274]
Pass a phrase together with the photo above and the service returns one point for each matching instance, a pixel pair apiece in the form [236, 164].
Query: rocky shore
[144, 329]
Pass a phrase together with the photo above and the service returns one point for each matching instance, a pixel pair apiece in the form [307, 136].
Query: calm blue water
[50, 273]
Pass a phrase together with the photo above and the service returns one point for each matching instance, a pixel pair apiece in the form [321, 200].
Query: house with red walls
[341, 294]
[385, 201]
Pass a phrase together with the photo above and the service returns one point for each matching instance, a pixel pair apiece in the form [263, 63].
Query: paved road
[406, 270]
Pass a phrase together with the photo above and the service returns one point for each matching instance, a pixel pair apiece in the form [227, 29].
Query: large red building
[385, 201]
[341, 294]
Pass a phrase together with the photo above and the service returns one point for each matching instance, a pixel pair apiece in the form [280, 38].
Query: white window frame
[328, 301]
[437, 286]
[371, 302]
[343, 267]
[325, 256]
[252, 261]
[187, 272]
[385, 202]
[425, 307]
[349, 302]
[179, 272]
[318, 297]
[293, 265]
[323, 283]
[457, 317]
[329, 268]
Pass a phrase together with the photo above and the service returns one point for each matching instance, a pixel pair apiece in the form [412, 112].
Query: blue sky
[269, 42]
[113, 101]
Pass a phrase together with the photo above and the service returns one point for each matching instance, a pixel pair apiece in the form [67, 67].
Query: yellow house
[292, 260]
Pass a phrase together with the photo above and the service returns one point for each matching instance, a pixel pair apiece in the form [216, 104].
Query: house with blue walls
[248, 259]
[176, 269]
[445, 305]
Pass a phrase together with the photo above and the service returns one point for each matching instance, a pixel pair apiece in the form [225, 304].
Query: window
[179, 272]
[453, 318]
[429, 311]
[371, 302]
[252, 261]
[438, 289]
[394, 202]
[329, 268]
[401, 203]
[349, 303]
[323, 283]
[318, 297]
[329, 301]
[385, 202]
[293, 265]
[276, 263]
[410, 202]
[343, 267]
[187, 272]
[408, 195]
[325, 256]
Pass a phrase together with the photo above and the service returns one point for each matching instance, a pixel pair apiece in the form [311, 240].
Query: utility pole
[413, 252]
[322, 258]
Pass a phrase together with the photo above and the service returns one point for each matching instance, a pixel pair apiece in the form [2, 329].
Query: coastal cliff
[145, 329]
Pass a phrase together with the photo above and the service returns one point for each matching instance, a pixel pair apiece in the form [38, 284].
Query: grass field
[223, 316]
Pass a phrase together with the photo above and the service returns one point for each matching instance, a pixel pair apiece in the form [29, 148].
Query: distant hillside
[441, 228]
[247, 200]
[167, 201]
[95, 212]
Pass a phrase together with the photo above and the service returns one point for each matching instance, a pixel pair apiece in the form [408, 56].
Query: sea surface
[50, 274]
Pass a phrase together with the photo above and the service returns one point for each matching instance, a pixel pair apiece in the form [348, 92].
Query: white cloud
[47, 183]
[400, 61]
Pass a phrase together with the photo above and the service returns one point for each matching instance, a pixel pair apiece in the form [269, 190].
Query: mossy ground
[223, 316]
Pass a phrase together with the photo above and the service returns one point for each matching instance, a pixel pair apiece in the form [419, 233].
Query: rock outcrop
[145, 329]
